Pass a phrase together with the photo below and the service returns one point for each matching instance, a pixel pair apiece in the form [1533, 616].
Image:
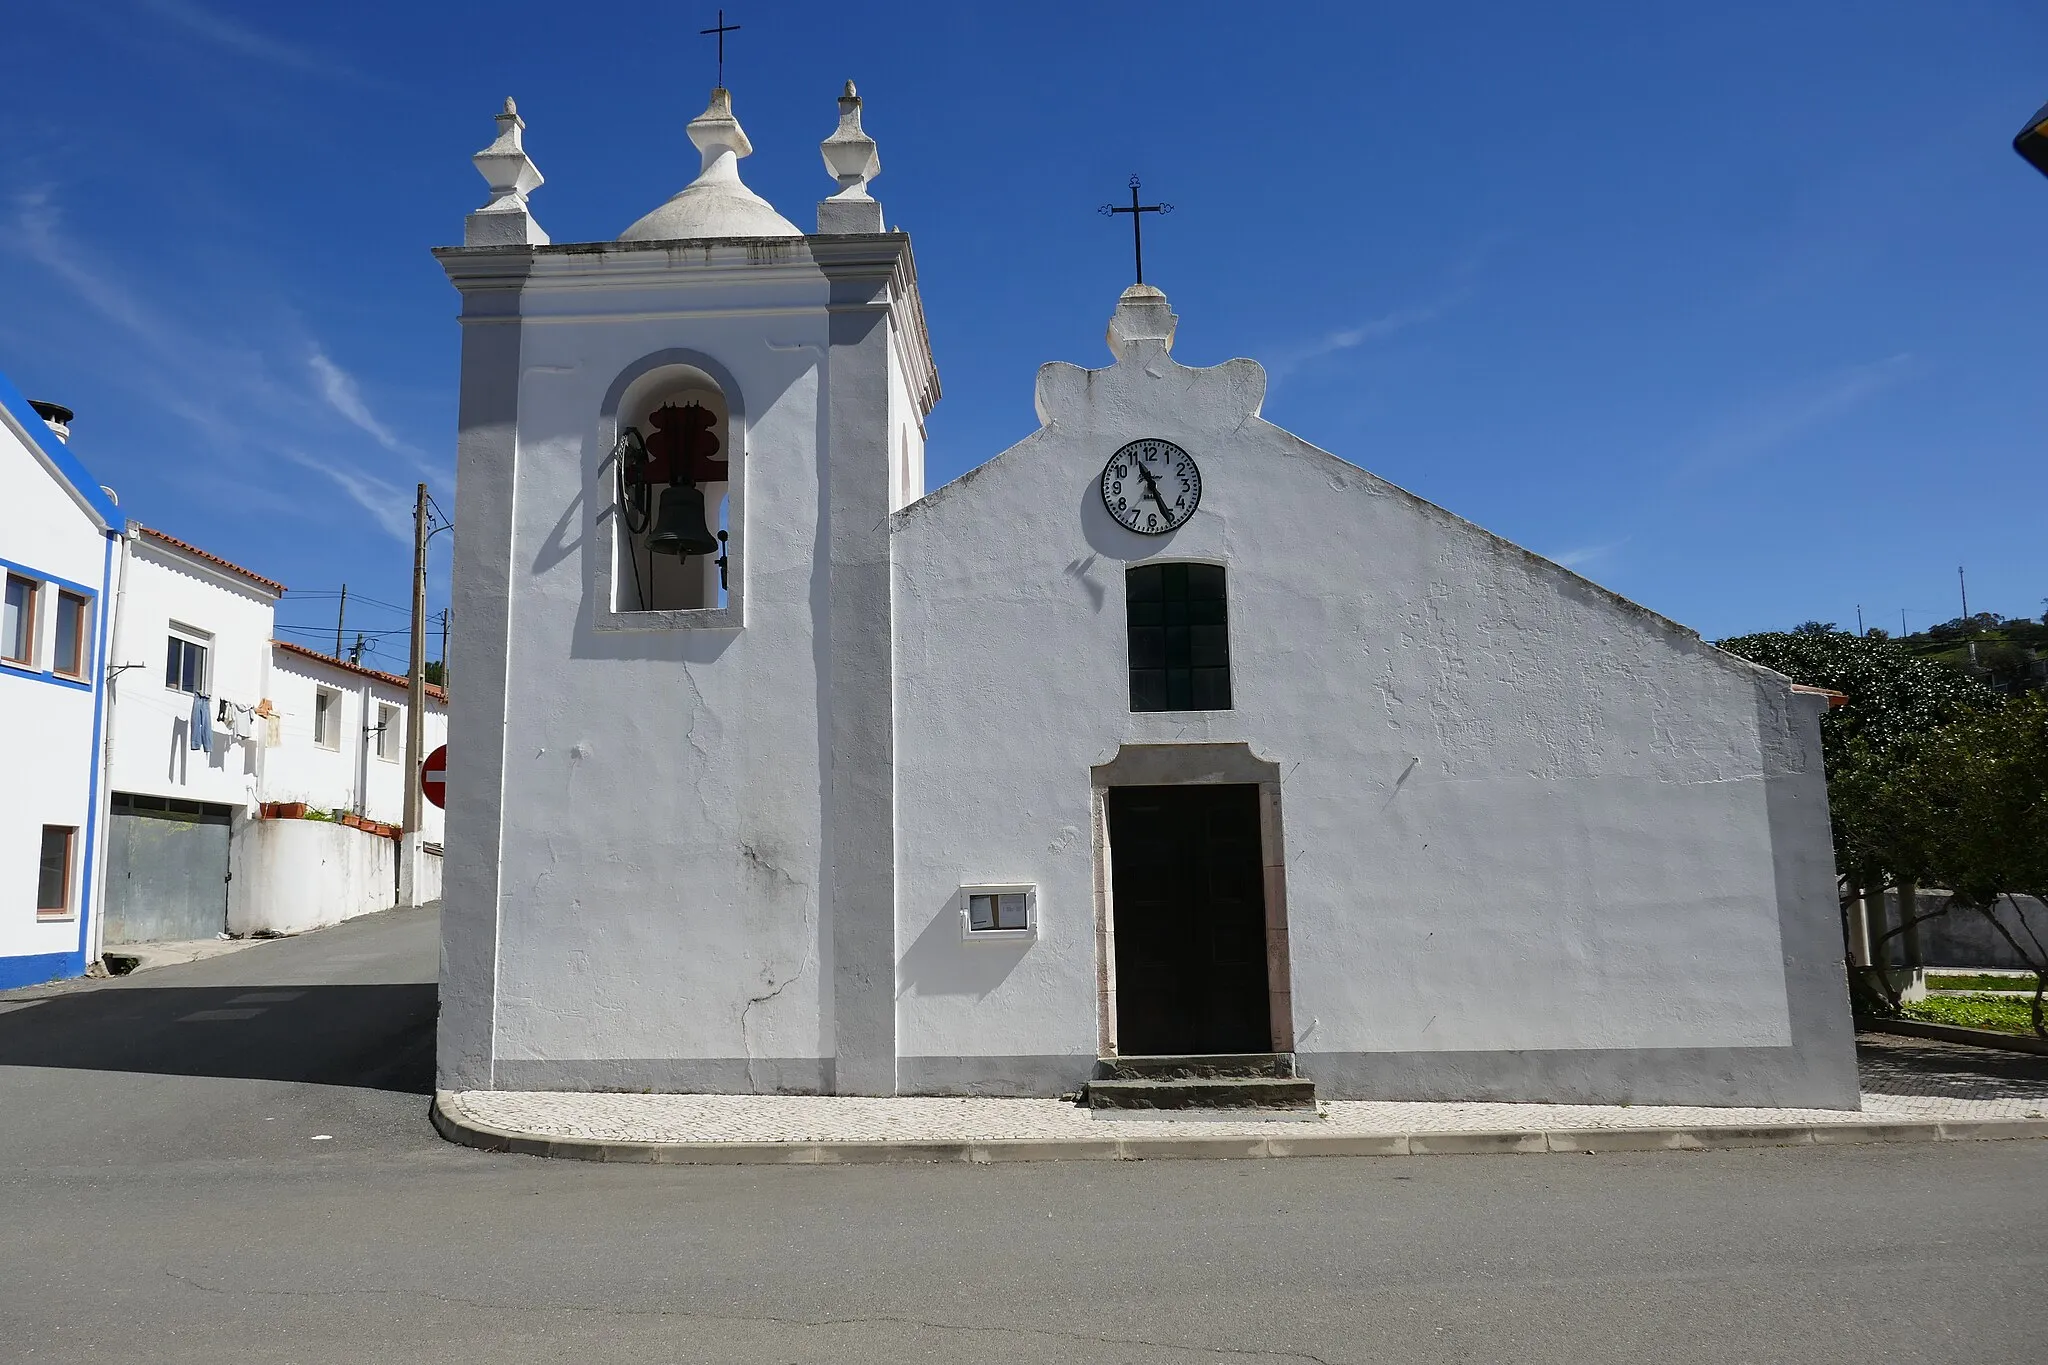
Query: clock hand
[1152, 488]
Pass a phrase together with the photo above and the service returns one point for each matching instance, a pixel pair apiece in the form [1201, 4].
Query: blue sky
[1740, 310]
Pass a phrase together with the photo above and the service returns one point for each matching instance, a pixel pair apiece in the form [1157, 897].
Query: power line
[324, 631]
[352, 597]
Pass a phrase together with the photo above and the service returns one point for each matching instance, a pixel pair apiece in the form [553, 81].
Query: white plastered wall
[46, 537]
[348, 775]
[662, 846]
[1530, 851]
[150, 750]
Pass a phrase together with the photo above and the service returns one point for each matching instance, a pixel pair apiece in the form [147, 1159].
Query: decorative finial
[716, 203]
[509, 171]
[1143, 319]
[717, 133]
[851, 157]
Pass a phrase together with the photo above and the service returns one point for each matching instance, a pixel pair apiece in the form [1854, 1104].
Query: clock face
[1151, 486]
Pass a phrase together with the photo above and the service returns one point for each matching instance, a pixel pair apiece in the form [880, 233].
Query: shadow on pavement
[1895, 1065]
[372, 1036]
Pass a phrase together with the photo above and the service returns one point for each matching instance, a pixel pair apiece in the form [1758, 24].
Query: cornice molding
[714, 263]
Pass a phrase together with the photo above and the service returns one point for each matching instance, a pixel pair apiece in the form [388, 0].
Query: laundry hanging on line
[202, 721]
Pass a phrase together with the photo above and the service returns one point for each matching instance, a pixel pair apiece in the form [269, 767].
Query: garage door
[167, 869]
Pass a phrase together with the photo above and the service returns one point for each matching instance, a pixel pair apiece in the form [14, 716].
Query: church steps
[1240, 1081]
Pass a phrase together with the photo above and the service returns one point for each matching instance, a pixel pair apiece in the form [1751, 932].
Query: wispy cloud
[345, 396]
[37, 234]
[1587, 556]
[1780, 419]
[1386, 325]
[389, 504]
[219, 382]
[1287, 360]
[225, 33]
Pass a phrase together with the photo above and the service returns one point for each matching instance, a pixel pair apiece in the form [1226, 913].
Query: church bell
[679, 527]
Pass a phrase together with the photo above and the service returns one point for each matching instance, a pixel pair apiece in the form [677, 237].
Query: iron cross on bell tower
[722, 29]
[1137, 212]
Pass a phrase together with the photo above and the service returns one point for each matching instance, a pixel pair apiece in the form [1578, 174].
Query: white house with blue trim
[59, 533]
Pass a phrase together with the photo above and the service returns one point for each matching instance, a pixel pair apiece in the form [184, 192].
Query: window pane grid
[988, 911]
[71, 634]
[185, 665]
[53, 875]
[1179, 638]
[18, 621]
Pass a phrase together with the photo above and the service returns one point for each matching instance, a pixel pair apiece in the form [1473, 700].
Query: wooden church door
[1190, 917]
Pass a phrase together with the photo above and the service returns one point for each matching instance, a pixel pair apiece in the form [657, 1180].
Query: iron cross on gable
[722, 29]
[1137, 212]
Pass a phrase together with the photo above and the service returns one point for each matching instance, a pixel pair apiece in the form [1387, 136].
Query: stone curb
[458, 1127]
[1954, 1033]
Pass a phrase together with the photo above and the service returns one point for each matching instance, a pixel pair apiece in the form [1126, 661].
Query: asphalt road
[163, 1197]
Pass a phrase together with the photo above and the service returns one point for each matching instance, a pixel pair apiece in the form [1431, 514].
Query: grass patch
[2000, 1013]
[1971, 981]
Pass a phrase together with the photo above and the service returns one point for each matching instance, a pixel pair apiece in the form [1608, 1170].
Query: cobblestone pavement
[1906, 1080]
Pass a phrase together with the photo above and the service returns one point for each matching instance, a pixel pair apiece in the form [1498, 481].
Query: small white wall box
[1006, 911]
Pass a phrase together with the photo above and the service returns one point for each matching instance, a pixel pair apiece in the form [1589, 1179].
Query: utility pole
[444, 649]
[415, 708]
[1969, 634]
[355, 654]
[1859, 618]
[340, 617]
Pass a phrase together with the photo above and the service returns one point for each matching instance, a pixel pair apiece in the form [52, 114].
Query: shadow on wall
[377, 1037]
[940, 963]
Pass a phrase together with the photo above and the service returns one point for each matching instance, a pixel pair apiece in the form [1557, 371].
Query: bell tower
[671, 825]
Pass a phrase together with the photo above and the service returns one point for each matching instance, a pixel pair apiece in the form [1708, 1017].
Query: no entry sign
[434, 777]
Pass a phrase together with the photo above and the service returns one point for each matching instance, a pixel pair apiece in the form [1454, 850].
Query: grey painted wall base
[671, 1075]
[1763, 1077]
[1027, 1077]
[1766, 1077]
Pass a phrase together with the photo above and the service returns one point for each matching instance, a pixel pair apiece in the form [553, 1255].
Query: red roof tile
[211, 558]
[437, 693]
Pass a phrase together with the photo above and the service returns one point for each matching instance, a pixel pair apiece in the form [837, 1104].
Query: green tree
[1895, 700]
[1893, 697]
[1974, 802]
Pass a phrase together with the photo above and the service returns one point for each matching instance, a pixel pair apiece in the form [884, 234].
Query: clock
[1151, 486]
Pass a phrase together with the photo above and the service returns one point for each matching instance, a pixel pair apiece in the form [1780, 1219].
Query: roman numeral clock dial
[1151, 486]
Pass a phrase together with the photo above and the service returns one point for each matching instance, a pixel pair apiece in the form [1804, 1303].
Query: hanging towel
[273, 730]
[202, 721]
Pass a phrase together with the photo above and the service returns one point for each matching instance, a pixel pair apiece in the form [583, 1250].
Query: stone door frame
[1171, 765]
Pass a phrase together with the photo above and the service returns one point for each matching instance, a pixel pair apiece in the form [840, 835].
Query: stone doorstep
[1245, 1065]
[1208, 1092]
[455, 1126]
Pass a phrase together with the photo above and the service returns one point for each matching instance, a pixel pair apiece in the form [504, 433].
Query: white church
[1162, 734]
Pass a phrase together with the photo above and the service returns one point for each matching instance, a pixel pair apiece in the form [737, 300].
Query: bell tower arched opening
[674, 468]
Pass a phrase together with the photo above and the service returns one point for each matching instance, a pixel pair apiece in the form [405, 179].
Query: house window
[327, 718]
[71, 635]
[1179, 637]
[18, 622]
[53, 879]
[388, 736]
[185, 664]
[998, 912]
